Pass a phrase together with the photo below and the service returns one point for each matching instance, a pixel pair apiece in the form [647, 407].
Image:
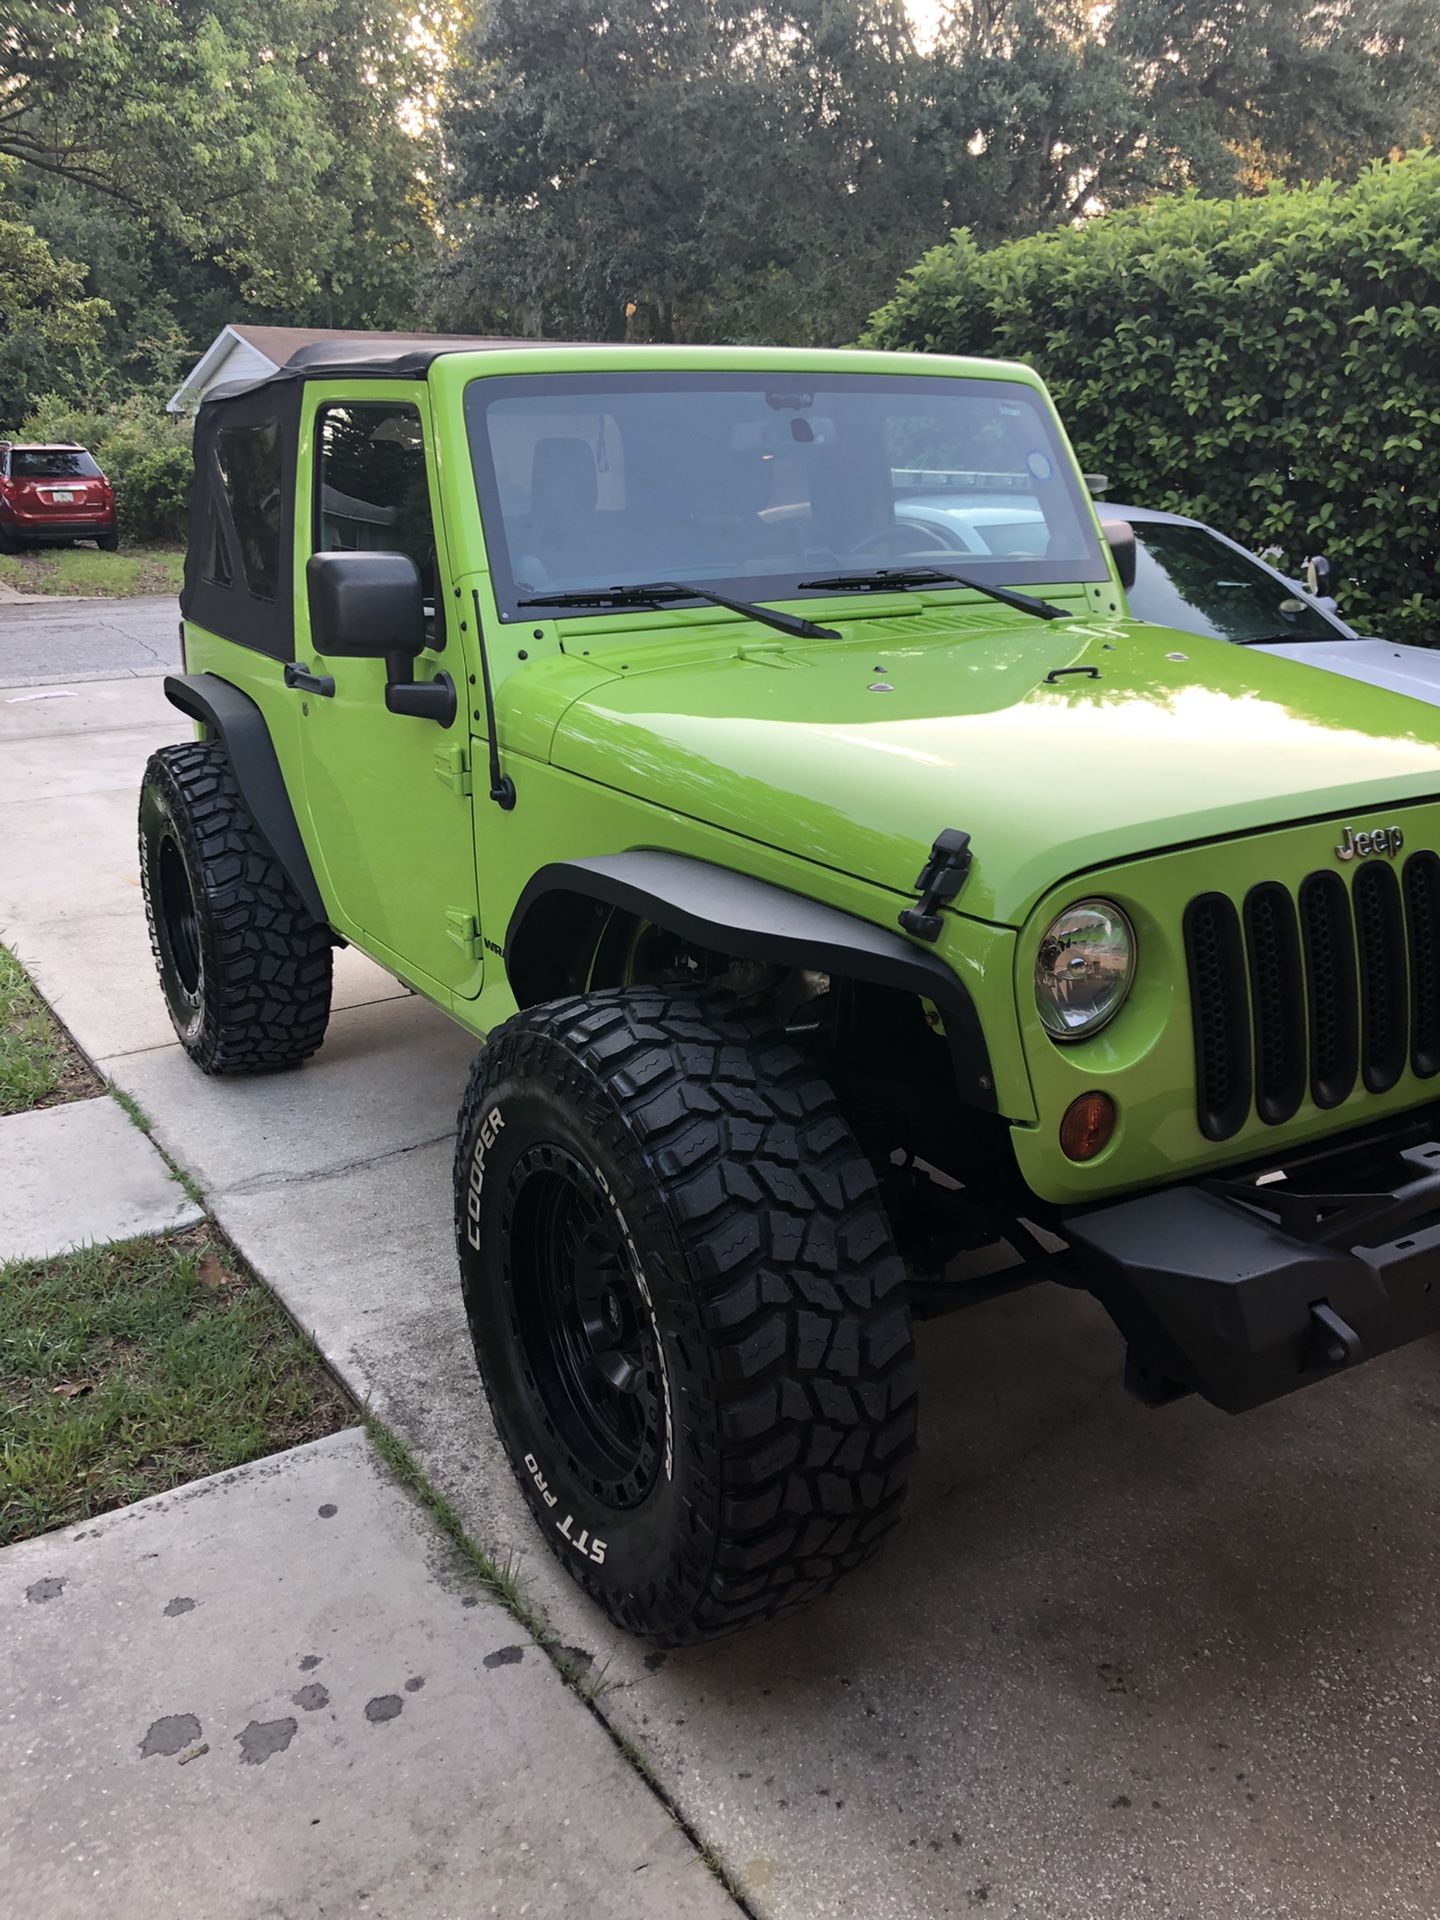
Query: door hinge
[452, 765]
[464, 930]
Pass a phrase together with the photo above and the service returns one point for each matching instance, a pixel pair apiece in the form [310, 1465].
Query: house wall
[239, 361]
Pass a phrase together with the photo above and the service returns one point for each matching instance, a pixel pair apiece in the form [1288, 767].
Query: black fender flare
[235, 720]
[563, 906]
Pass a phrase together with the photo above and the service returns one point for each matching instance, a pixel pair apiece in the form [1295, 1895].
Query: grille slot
[1422, 923]
[1272, 941]
[1380, 940]
[1313, 990]
[1329, 943]
[1215, 954]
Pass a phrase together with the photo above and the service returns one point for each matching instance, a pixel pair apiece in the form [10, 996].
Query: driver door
[388, 794]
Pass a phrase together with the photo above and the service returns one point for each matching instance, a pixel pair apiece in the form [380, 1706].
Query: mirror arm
[420, 699]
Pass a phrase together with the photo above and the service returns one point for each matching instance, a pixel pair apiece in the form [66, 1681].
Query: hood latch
[939, 880]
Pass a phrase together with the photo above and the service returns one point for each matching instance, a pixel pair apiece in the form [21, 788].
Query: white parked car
[1181, 573]
[1187, 575]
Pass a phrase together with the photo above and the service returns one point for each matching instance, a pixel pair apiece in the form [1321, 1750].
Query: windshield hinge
[464, 930]
[452, 765]
[939, 880]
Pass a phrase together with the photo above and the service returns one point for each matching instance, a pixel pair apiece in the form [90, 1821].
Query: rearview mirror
[365, 606]
[1319, 575]
[1121, 538]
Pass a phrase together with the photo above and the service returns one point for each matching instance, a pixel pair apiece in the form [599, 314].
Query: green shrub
[1268, 365]
[144, 451]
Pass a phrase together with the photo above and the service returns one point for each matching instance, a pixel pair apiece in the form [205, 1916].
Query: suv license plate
[62, 499]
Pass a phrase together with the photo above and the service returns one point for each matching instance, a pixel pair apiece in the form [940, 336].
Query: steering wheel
[918, 537]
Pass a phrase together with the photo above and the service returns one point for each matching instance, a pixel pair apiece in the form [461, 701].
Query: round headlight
[1083, 969]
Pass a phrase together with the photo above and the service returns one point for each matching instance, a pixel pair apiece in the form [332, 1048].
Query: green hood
[1174, 739]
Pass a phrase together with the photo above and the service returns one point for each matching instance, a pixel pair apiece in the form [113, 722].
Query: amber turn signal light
[1087, 1126]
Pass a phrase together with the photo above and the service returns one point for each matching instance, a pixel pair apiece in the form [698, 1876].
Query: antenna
[502, 787]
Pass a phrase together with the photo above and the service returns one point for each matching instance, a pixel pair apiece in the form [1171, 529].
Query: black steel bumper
[1245, 1288]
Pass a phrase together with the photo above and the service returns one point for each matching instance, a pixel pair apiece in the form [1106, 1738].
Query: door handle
[307, 682]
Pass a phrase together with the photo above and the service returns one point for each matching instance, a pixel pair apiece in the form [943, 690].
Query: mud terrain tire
[245, 970]
[686, 1304]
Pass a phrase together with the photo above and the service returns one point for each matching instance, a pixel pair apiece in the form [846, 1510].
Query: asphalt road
[1116, 1665]
[88, 640]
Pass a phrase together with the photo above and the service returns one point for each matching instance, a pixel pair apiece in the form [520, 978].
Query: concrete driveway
[1117, 1663]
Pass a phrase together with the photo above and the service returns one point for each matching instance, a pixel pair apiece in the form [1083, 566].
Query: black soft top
[218, 592]
[393, 357]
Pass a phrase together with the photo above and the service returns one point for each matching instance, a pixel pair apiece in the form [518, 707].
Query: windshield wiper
[901, 577]
[658, 591]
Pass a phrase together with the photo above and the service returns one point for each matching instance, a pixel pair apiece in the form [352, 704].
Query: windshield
[1186, 578]
[52, 463]
[753, 483]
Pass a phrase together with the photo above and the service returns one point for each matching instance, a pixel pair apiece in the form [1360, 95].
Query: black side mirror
[365, 605]
[1120, 536]
[371, 606]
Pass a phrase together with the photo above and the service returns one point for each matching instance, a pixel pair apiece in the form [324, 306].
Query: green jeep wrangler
[836, 885]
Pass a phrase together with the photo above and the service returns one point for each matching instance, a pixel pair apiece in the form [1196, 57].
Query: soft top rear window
[753, 482]
[52, 463]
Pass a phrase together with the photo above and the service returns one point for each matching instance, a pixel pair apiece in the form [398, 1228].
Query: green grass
[130, 1369]
[501, 1581]
[39, 1067]
[87, 571]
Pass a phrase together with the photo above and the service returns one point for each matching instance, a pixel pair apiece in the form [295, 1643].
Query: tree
[264, 139]
[743, 169]
[652, 171]
[50, 332]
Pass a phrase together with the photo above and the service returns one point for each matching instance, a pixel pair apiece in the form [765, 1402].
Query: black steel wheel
[585, 1329]
[686, 1304]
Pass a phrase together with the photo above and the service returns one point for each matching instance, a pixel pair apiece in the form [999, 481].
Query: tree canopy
[650, 169]
[205, 160]
[50, 331]
[742, 169]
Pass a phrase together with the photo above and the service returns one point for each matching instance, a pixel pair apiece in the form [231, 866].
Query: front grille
[1313, 991]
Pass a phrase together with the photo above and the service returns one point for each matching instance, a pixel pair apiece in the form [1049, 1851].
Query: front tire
[244, 969]
[686, 1305]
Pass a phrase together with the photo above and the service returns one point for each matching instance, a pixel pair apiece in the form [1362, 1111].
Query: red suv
[54, 493]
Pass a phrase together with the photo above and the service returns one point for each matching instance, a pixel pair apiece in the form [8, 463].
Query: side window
[372, 491]
[249, 459]
[213, 564]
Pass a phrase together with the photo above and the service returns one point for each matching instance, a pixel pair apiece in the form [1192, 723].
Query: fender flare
[235, 720]
[564, 905]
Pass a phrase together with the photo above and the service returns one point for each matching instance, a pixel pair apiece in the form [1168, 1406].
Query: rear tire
[244, 969]
[107, 542]
[688, 1310]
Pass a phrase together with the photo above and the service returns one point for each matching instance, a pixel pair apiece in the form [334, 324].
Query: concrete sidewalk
[281, 1691]
[78, 1173]
[1116, 1664]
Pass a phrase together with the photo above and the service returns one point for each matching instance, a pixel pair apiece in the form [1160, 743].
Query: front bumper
[1247, 1287]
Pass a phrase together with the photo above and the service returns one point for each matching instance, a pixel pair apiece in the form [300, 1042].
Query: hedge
[1269, 365]
[144, 451]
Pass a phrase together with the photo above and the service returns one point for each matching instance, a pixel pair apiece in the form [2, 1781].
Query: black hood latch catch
[939, 880]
